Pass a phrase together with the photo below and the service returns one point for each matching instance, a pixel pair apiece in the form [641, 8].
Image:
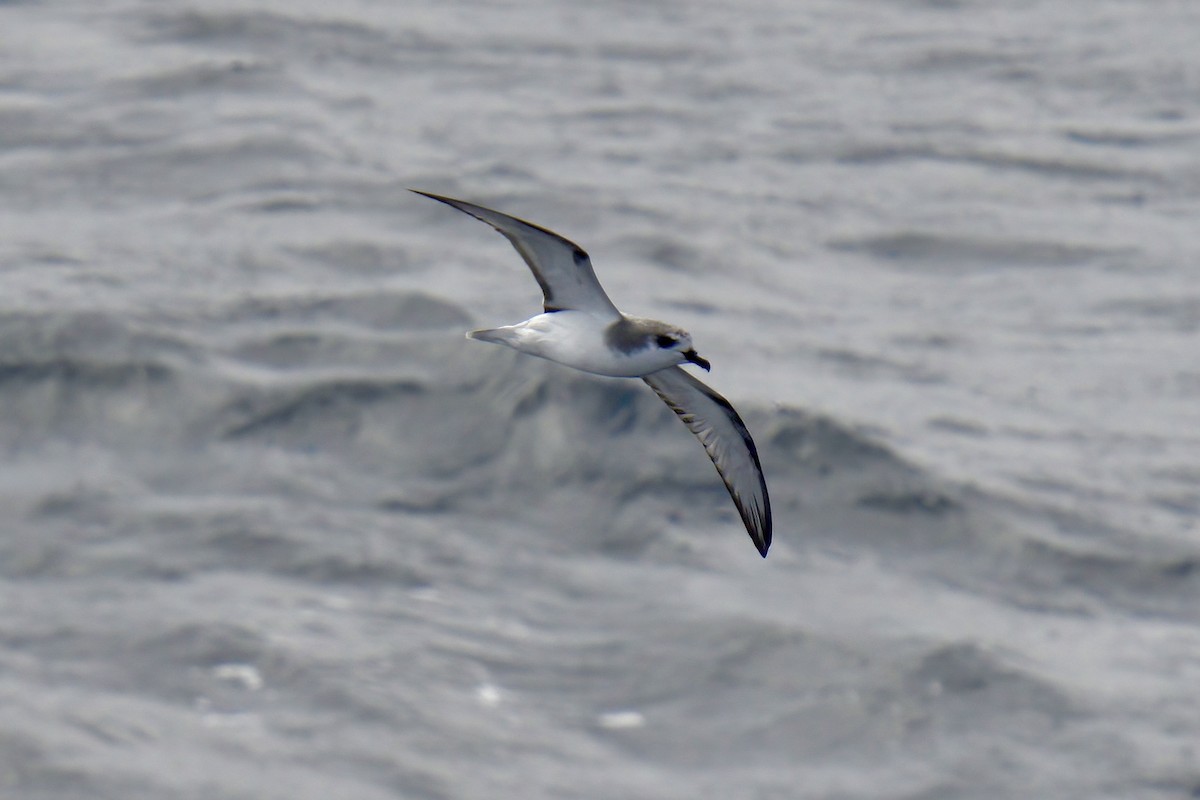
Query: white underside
[576, 339]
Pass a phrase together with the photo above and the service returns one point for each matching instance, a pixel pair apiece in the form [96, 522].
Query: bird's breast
[578, 339]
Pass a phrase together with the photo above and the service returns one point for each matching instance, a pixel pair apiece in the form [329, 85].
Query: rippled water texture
[273, 529]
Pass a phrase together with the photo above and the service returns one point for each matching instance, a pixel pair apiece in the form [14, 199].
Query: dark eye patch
[665, 341]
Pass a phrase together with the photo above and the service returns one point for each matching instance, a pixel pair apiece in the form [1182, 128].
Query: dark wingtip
[763, 544]
[430, 195]
[450, 201]
[459, 205]
[760, 530]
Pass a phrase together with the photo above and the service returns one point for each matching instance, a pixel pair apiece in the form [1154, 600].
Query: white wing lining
[562, 268]
[726, 440]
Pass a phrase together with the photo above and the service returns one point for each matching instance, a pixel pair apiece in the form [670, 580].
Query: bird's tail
[496, 335]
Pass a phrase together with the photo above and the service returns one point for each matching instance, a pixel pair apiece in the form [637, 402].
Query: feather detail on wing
[562, 269]
[719, 428]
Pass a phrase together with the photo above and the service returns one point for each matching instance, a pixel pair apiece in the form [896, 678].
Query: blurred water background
[273, 529]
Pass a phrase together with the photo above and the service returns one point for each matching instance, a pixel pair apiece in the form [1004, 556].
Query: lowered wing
[727, 442]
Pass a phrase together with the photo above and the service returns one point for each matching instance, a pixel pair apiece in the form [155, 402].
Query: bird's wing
[561, 267]
[728, 443]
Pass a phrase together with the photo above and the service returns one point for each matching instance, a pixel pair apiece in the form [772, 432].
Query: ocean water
[273, 529]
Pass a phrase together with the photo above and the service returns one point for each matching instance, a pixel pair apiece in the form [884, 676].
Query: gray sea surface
[273, 529]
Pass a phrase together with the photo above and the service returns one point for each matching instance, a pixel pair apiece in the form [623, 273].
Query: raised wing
[561, 267]
[727, 442]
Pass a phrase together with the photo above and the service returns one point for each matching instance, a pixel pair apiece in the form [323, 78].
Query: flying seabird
[581, 328]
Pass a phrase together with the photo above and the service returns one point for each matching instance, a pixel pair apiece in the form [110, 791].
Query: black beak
[695, 358]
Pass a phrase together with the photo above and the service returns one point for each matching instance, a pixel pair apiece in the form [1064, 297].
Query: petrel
[581, 328]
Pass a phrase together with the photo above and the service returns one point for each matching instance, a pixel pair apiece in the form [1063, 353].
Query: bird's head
[680, 342]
